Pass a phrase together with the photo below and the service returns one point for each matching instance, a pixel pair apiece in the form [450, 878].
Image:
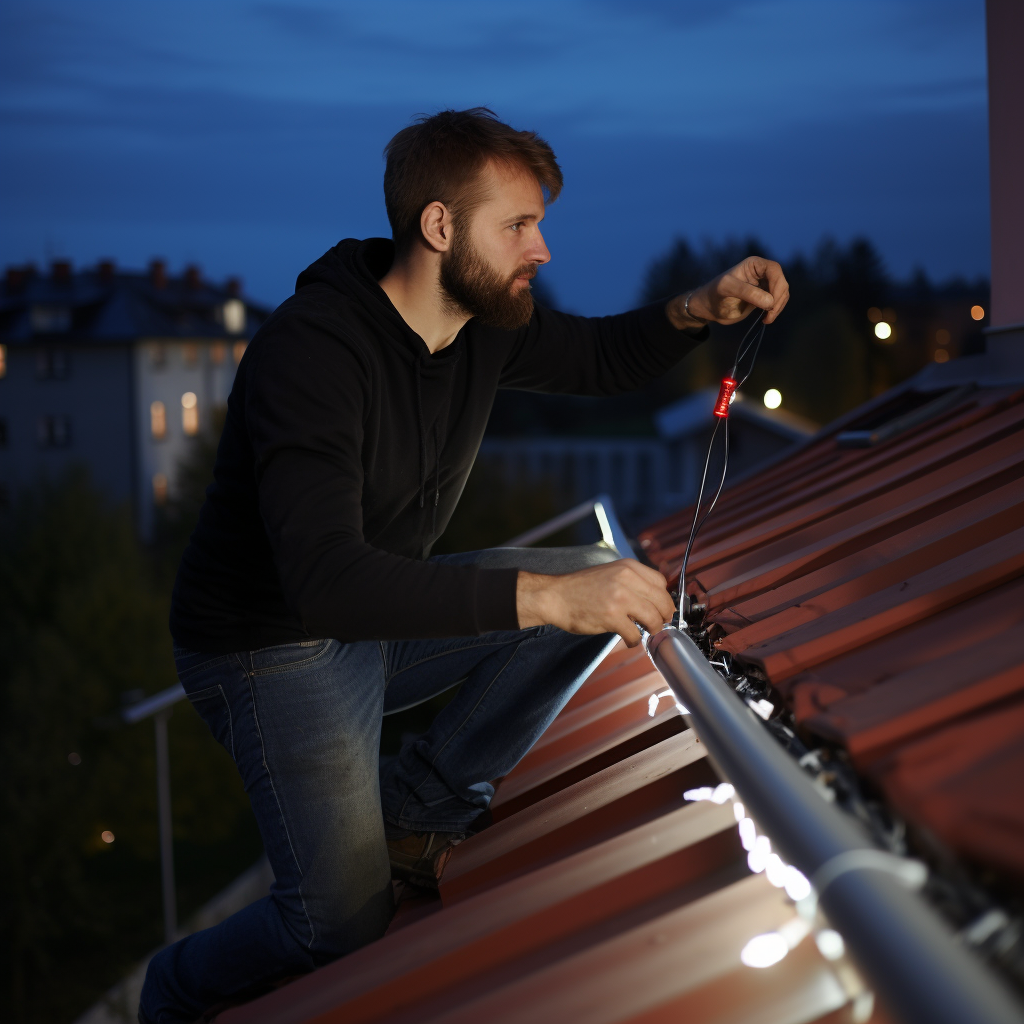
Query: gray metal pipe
[920, 970]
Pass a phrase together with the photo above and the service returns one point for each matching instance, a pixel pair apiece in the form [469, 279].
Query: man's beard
[473, 287]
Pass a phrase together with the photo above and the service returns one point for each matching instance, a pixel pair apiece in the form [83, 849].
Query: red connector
[725, 393]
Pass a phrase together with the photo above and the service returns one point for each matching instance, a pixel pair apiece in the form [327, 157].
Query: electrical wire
[751, 341]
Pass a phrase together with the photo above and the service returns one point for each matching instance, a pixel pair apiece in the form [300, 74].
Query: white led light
[652, 705]
[772, 398]
[830, 944]
[764, 950]
[723, 791]
[738, 811]
[702, 793]
[748, 834]
[775, 871]
[757, 859]
[796, 885]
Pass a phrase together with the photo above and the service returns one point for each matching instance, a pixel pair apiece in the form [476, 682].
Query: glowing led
[977, 312]
[107, 837]
[796, 885]
[738, 811]
[764, 950]
[775, 871]
[772, 398]
[652, 705]
[883, 330]
[830, 944]
[757, 859]
[724, 791]
[748, 834]
[702, 793]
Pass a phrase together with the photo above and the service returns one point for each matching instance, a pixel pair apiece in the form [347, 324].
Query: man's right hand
[609, 598]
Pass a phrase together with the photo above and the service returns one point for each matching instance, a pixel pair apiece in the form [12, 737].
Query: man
[306, 607]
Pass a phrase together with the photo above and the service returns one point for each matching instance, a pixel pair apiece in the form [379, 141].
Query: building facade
[115, 371]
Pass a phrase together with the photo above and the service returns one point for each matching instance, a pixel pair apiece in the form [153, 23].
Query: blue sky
[246, 136]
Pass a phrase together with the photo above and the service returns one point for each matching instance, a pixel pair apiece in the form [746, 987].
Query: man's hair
[439, 158]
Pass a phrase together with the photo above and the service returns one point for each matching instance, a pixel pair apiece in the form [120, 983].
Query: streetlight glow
[883, 331]
[772, 398]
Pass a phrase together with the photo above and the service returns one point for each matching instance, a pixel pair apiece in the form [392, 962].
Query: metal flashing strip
[910, 955]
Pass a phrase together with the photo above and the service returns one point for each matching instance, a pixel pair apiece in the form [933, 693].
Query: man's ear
[436, 225]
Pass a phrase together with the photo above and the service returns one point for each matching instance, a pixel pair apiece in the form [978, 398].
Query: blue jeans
[302, 722]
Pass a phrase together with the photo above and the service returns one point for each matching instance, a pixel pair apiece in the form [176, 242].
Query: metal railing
[603, 509]
[160, 706]
[909, 954]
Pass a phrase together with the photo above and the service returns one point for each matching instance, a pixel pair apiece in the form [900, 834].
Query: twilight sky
[246, 136]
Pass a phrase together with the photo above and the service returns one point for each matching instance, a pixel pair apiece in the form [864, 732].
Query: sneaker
[420, 857]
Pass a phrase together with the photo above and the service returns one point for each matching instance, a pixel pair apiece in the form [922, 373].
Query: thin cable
[751, 341]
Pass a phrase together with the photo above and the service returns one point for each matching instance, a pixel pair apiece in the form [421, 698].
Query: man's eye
[516, 227]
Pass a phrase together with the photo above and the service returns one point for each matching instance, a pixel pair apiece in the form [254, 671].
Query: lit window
[883, 331]
[218, 353]
[977, 312]
[234, 316]
[773, 398]
[238, 350]
[190, 353]
[159, 489]
[941, 355]
[189, 413]
[942, 336]
[158, 420]
[3, 360]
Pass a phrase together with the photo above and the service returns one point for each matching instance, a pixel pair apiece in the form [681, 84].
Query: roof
[102, 304]
[879, 591]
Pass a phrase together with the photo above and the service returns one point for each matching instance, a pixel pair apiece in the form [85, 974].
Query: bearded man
[307, 604]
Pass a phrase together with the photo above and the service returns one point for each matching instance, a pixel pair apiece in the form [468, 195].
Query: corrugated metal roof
[880, 591]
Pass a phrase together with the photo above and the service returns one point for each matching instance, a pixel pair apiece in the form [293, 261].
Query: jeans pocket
[288, 657]
[212, 705]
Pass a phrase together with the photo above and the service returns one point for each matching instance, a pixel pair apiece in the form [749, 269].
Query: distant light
[764, 950]
[797, 887]
[159, 488]
[941, 355]
[189, 413]
[238, 350]
[977, 313]
[830, 944]
[188, 400]
[3, 360]
[942, 336]
[874, 314]
[234, 316]
[74, 758]
[883, 331]
[107, 837]
[773, 398]
[158, 420]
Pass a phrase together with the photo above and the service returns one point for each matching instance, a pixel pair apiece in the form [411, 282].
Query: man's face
[486, 272]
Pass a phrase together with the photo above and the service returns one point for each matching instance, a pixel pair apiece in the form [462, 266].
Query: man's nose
[537, 252]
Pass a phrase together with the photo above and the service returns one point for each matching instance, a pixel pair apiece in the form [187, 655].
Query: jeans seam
[456, 731]
[280, 811]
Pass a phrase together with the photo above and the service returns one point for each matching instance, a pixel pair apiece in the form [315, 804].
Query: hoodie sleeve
[558, 352]
[304, 411]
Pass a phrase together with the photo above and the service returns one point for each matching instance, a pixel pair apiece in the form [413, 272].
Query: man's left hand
[756, 283]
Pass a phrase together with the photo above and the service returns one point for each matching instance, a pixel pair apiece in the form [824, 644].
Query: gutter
[916, 964]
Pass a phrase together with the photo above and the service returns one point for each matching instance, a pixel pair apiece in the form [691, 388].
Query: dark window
[52, 364]
[53, 431]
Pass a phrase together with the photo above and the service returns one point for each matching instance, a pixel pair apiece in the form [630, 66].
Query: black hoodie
[346, 448]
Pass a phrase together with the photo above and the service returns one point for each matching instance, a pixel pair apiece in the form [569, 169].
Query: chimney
[233, 287]
[105, 271]
[60, 272]
[193, 279]
[17, 278]
[158, 274]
